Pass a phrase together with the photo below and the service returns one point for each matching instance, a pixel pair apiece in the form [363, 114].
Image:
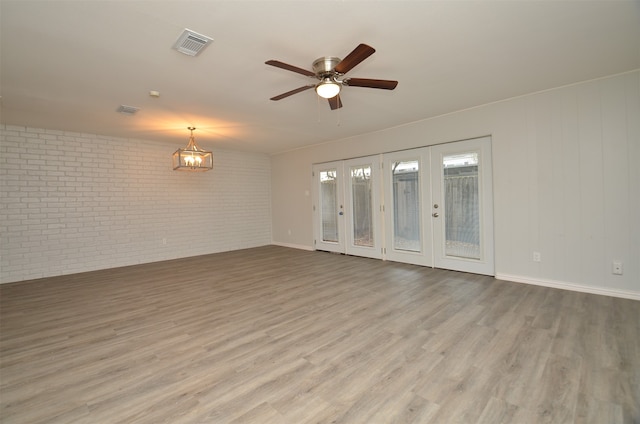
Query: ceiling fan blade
[335, 102]
[371, 83]
[358, 54]
[288, 67]
[292, 92]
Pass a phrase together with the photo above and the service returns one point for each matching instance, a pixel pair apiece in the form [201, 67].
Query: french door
[347, 207]
[437, 205]
[408, 232]
[461, 209]
[362, 207]
[329, 207]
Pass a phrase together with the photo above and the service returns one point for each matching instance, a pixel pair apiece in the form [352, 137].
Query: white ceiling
[68, 65]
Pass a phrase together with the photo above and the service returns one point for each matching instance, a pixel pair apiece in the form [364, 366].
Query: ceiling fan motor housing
[324, 66]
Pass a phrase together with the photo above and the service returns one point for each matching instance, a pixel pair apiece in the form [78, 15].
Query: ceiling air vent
[191, 43]
[127, 110]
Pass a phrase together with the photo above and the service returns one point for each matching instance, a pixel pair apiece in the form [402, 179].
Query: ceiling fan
[330, 71]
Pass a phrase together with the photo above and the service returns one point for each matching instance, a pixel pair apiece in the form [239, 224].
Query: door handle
[435, 214]
[340, 213]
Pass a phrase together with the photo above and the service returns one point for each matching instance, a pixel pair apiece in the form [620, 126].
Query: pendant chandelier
[192, 157]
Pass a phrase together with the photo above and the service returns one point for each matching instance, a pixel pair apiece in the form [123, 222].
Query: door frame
[424, 256]
[431, 233]
[344, 211]
[319, 242]
[485, 265]
[375, 251]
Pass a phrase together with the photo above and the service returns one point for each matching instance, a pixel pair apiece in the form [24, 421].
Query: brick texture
[74, 202]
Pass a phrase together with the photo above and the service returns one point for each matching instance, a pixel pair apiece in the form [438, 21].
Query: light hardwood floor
[277, 335]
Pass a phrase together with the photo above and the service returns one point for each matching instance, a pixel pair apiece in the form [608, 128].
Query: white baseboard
[293, 246]
[625, 294]
[570, 286]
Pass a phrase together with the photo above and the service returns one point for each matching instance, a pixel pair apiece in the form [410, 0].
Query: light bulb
[328, 88]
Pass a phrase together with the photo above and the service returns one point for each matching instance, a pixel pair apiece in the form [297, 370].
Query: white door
[437, 206]
[462, 206]
[408, 236]
[328, 208]
[362, 207]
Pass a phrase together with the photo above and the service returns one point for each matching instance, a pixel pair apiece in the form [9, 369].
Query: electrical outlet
[164, 241]
[537, 257]
[617, 268]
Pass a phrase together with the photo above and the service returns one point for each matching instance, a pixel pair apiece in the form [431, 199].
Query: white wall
[58, 218]
[566, 181]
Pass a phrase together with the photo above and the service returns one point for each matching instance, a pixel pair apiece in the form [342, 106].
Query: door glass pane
[329, 205]
[462, 208]
[362, 205]
[406, 205]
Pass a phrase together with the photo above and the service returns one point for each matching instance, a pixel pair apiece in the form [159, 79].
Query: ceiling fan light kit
[328, 88]
[329, 71]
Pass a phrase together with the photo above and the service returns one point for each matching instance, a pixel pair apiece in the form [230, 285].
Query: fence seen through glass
[329, 205]
[406, 205]
[461, 205]
[362, 206]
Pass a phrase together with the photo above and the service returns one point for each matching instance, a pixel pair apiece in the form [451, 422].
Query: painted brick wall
[123, 206]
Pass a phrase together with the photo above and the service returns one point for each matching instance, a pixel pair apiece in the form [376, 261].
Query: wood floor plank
[278, 335]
